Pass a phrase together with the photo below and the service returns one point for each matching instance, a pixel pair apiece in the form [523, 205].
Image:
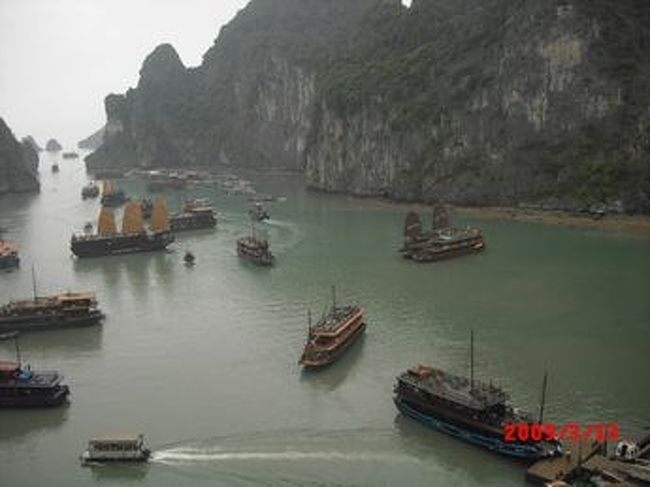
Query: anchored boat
[133, 237]
[50, 312]
[117, 448]
[332, 335]
[22, 387]
[442, 242]
[195, 215]
[8, 255]
[468, 409]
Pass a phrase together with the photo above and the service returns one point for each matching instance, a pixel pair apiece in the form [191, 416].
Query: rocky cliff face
[93, 141]
[462, 101]
[18, 163]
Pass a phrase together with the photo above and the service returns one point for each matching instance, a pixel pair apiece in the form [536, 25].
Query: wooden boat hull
[183, 223]
[332, 357]
[444, 254]
[526, 451]
[10, 399]
[48, 322]
[126, 244]
[9, 262]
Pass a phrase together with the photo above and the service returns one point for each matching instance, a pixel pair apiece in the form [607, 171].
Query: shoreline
[635, 225]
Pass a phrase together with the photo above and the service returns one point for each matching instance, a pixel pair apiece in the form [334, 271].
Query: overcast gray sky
[60, 58]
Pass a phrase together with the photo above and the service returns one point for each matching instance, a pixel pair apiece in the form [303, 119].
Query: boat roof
[118, 438]
[8, 366]
[454, 388]
[7, 247]
[332, 322]
[46, 301]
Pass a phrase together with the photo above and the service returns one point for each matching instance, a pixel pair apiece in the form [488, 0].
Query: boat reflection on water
[119, 473]
[17, 423]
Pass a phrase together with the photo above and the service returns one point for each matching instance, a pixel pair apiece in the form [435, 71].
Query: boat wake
[206, 455]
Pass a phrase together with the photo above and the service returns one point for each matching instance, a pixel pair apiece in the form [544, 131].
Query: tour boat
[117, 448]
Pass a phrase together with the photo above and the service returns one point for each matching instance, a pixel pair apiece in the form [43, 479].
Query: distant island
[18, 163]
[473, 103]
[53, 146]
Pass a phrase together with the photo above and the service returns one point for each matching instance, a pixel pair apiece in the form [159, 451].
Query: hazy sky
[60, 58]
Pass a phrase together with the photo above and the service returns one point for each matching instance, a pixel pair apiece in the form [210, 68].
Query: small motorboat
[121, 448]
[88, 227]
[189, 258]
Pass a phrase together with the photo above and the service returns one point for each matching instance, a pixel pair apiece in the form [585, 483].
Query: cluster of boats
[468, 409]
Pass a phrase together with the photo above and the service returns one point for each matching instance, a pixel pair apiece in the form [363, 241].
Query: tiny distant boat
[91, 190]
[118, 448]
[70, 155]
[55, 167]
[189, 258]
[112, 195]
[258, 213]
[22, 387]
[88, 227]
[133, 237]
[8, 255]
[162, 182]
[196, 215]
[255, 250]
[332, 335]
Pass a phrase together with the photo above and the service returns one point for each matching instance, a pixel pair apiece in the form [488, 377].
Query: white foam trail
[197, 455]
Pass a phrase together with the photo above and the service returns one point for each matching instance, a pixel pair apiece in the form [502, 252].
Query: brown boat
[442, 242]
[332, 335]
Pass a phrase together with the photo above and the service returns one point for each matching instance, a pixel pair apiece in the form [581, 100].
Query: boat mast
[308, 324]
[541, 405]
[471, 360]
[33, 281]
[333, 297]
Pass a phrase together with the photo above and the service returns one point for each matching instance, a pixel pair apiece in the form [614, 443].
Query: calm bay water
[203, 360]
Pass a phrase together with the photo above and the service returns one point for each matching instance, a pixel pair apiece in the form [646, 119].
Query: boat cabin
[117, 448]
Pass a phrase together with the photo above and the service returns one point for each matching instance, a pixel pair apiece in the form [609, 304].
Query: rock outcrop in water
[18, 163]
[465, 101]
[94, 141]
[53, 146]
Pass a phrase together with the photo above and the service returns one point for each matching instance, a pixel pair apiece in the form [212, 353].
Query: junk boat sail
[8, 255]
[467, 409]
[112, 195]
[442, 242]
[118, 448]
[332, 335]
[22, 387]
[133, 238]
[196, 215]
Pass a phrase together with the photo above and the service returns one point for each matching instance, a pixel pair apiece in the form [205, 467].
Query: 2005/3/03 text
[600, 432]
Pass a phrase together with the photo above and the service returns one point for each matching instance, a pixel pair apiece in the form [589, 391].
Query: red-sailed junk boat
[332, 335]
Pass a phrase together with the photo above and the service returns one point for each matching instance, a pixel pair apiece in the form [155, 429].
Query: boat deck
[564, 467]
